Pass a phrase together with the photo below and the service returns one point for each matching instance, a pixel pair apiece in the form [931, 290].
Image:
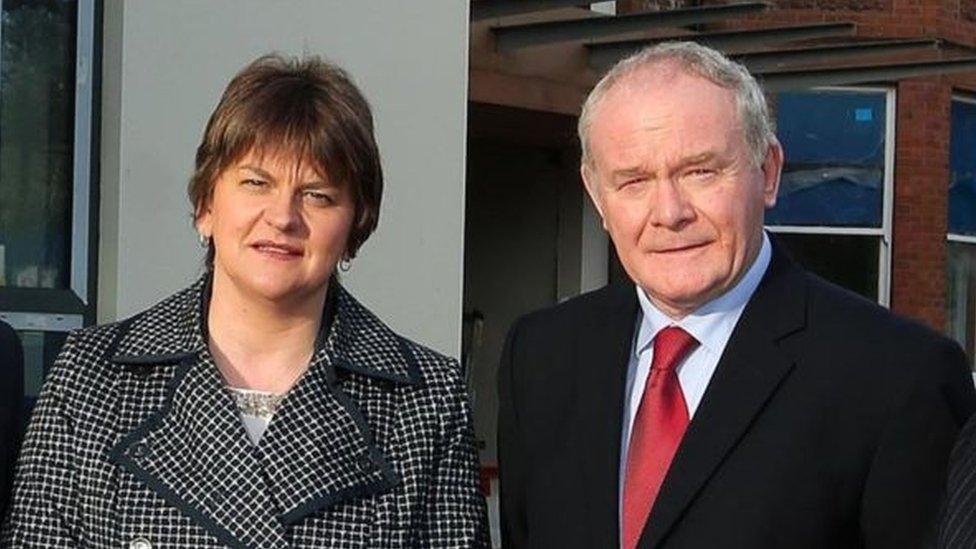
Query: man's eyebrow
[697, 158]
[628, 172]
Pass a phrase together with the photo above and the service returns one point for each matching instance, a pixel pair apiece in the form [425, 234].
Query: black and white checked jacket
[136, 443]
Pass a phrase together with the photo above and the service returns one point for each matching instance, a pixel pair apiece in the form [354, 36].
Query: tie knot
[671, 345]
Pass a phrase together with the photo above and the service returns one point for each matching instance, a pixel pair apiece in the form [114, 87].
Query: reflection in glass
[835, 158]
[846, 260]
[961, 296]
[36, 135]
[962, 169]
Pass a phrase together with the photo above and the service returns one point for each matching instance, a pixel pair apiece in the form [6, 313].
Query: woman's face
[278, 227]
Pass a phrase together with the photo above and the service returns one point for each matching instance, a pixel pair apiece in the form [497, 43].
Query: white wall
[165, 65]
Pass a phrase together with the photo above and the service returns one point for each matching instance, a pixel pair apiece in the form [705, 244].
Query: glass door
[47, 66]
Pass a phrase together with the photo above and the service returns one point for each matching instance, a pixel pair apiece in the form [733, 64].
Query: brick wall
[921, 186]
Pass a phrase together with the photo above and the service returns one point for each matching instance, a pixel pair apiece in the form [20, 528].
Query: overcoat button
[140, 543]
[366, 465]
[140, 449]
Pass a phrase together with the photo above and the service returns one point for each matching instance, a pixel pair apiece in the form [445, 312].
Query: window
[961, 252]
[46, 218]
[833, 212]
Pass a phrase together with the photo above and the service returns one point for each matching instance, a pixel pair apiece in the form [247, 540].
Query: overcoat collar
[193, 450]
[178, 327]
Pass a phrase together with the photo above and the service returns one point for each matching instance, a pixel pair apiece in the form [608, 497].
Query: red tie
[658, 427]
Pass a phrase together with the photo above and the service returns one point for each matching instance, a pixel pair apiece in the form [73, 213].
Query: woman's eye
[257, 183]
[319, 197]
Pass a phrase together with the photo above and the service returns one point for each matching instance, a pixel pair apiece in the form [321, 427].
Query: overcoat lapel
[194, 454]
[603, 352]
[748, 374]
[319, 451]
[191, 448]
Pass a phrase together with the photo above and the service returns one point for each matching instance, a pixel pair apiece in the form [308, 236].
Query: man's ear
[592, 189]
[772, 168]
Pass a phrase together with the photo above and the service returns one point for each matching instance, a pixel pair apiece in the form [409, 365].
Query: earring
[204, 241]
[344, 264]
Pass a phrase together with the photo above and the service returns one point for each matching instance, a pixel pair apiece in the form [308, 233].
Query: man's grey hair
[700, 61]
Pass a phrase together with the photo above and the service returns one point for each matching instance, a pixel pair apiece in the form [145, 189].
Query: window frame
[62, 310]
[887, 201]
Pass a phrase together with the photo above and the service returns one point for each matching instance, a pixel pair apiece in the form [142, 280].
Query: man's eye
[254, 183]
[701, 173]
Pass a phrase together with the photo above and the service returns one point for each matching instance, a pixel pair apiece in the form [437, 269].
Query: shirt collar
[712, 323]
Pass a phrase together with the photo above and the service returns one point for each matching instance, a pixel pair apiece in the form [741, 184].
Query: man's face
[677, 187]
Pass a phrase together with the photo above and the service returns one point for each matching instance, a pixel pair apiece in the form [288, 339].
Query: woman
[263, 406]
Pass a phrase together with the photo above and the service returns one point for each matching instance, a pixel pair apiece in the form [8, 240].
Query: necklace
[256, 403]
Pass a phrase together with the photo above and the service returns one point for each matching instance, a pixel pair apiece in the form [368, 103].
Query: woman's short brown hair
[305, 107]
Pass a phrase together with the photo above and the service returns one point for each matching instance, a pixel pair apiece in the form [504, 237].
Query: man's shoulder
[572, 315]
[858, 318]
[856, 336]
[8, 338]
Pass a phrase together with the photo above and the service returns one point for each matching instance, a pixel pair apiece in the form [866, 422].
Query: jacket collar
[754, 365]
[318, 452]
[356, 339]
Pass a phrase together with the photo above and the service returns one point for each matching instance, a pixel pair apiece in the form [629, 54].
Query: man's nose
[670, 206]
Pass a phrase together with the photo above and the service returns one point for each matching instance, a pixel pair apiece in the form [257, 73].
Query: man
[11, 406]
[958, 528]
[726, 398]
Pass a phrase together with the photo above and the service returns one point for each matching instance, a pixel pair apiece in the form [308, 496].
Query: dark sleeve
[11, 409]
[456, 515]
[511, 465]
[907, 477]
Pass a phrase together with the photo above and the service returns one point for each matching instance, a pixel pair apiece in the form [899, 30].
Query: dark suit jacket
[11, 408]
[958, 527]
[828, 423]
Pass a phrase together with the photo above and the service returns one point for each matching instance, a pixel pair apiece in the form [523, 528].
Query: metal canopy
[607, 53]
[486, 9]
[807, 78]
[510, 37]
[787, 59]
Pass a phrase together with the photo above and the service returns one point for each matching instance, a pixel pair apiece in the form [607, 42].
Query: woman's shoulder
[90, 356]
[373, 345]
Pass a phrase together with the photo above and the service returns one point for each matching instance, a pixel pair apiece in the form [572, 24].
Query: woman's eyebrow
[257, 170]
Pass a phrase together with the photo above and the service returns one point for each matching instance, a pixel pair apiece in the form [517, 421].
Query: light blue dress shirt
[711, 325]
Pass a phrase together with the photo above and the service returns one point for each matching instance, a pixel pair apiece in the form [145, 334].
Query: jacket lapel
[195, 454]
[748, 374]
[191, 450]
[319, 450]
[603, 351]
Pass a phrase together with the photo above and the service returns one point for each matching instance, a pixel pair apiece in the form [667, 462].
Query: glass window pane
[36, 136]
[835, 158]
[848, 261]
[962, 169]
[961, 296]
